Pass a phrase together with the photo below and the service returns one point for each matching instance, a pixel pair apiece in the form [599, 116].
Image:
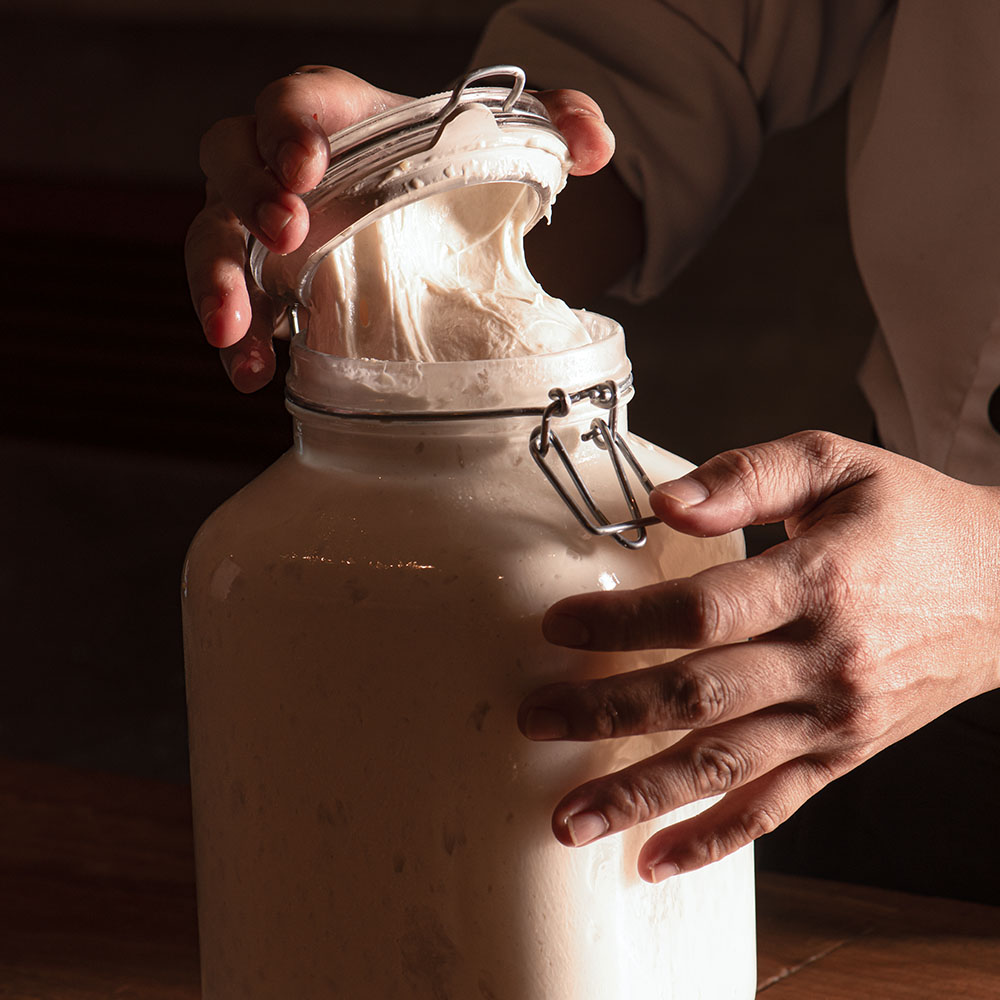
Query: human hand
[258, 166]
[877, 615]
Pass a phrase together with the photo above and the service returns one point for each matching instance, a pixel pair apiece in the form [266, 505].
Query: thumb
[763, 483]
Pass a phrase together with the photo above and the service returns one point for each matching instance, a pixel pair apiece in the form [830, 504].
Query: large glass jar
[363, 619]
[361, 622]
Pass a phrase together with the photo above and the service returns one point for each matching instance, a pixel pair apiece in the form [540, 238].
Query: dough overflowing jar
[361, 622]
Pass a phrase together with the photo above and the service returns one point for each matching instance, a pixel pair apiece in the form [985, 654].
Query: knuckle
[834, 584]
[305, 85]
[715, 843]
[637, 619]
[635, 798]
[278, 90]
[852, 670]
[831, 459]
[855, 722]
[614, 711]
[853, 711]
[856, 666]
[822, 447]
[287, 91]
[711, 847]
[718, 768]
[211, 236]
[756, 821]
[694, 698]
[606, 718]
[821, 770]
[743, 466]
[707, 615]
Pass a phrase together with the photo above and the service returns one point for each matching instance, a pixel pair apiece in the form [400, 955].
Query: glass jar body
[361, 623]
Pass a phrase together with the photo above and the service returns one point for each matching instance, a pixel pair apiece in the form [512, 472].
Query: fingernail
[272, 219]
[662, 870]
[685, 491]
[579, 111]
[234, 364]
[585, 827]
[292, 159]
[564, 630]
[254, 362]
[244, 371]
[249, 363]
[544, 724]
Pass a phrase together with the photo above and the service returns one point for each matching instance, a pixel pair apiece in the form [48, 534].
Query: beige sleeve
[690, 88]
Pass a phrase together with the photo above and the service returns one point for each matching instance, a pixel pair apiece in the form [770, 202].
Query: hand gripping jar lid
[465, 136]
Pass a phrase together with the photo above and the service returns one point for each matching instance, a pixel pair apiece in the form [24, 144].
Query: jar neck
[346, 409]
[444, 441]
[364, 387]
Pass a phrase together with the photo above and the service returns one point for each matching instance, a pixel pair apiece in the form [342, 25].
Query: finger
[703, 689]
[237, 174]
[703, 764]
[215, 258]
[250, 362]
[580, 120]
[722, 604]
[297, 113]
[742, 816]
[763, 483]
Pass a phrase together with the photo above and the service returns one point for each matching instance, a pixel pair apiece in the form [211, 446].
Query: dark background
[119, 433]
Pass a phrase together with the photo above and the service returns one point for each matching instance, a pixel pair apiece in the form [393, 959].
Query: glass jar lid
[465, 136]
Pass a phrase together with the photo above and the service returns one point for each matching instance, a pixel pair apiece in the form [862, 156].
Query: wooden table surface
[97, 901]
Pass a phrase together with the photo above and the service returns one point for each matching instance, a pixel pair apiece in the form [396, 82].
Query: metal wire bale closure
[604, 434]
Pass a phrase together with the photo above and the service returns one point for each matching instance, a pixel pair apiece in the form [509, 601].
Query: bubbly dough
[440, 279]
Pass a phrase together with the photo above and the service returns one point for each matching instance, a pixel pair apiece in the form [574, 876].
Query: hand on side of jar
[877, 615]
[258, 166]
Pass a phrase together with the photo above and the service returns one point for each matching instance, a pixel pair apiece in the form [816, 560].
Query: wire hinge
[603, 434]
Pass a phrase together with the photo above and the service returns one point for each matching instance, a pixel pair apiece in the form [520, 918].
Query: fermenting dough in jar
[441, 279]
